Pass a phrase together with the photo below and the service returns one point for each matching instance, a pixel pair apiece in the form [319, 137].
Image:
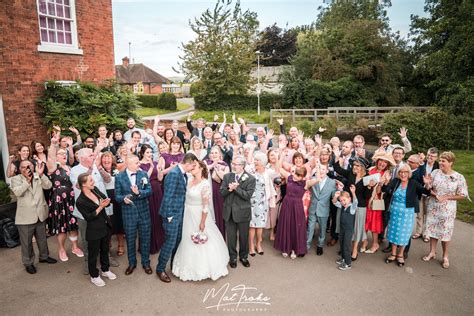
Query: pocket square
[169, 219]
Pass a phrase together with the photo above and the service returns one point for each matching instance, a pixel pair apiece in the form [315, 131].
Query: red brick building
[139, 78]
[41, 40]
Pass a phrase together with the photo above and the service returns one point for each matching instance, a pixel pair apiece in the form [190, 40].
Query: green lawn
[463, 165]
[248, 115]
[142, 111]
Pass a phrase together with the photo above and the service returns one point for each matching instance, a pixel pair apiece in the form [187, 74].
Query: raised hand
[403, 132]
[353, 189]
[337, 194]
[103, 203]
[300, 135]
[422, 156]
[337, 152]
[318, 140]
[280, 121]
[74, 130]
[216, 117]
[241, 120]
[339, 185]
[40, 168]
[270, 134]
[224, 116]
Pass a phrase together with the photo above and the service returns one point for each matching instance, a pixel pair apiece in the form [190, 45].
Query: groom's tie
[185, 178]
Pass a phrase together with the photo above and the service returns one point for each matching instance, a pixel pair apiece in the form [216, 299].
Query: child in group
[346, 223]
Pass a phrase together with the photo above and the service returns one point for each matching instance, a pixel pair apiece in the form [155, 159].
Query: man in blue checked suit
[132, 189]
[171, 210]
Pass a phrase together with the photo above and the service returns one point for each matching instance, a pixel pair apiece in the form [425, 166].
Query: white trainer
[109, 275]
[98, 281]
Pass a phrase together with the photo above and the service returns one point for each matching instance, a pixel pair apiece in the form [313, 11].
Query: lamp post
[258, 81]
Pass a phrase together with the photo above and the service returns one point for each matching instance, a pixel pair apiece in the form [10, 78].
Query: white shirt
[132, 178]
[322, 183]
[99, 183]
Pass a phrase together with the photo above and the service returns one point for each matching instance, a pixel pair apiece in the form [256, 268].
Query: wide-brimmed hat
[384, 156]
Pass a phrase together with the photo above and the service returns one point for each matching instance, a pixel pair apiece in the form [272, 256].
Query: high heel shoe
[400, 263]
[428, 257]
[370, 251]
[390, 259]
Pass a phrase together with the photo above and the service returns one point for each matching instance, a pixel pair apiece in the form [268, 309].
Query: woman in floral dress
[61, 204]
[447, 187]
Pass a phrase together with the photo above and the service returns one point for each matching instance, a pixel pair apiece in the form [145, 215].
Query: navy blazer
[123, 188]
[414, 192]
[174, 194]
[422, 168]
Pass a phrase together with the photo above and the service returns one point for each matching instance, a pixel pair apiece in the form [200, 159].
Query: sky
[156, 28]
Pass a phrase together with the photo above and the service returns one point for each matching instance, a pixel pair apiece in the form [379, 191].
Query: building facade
[42, 40]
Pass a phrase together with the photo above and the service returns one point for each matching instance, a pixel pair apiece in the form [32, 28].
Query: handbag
[375, 203]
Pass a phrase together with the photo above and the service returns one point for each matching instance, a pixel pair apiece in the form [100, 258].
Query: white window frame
[61, 48]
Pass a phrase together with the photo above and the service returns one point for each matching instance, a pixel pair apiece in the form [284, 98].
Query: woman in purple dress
[291, 228]
[155, 175]
[170, 159]
[217, 169]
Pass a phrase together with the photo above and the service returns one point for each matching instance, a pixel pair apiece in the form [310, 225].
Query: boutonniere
[244, 177]
[144, 182]
[115, 172]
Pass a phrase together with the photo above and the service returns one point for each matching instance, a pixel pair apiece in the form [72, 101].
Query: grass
[463, 165]
[142, 111]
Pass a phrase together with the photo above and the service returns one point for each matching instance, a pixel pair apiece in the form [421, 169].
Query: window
[57, 26]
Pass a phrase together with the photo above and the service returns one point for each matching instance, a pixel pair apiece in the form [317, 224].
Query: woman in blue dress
[406, 194]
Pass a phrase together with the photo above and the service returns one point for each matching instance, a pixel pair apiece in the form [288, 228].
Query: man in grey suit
[31, 212]
[322, 190]
[237, 189]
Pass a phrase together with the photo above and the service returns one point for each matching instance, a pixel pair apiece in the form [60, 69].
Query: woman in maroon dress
[173, 157]
[155, 175]
[217, 169]
[291, 228]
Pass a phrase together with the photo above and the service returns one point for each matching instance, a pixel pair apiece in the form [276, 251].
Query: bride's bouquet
[199, 237]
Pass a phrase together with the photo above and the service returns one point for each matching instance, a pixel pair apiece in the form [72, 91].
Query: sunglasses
[385, 140]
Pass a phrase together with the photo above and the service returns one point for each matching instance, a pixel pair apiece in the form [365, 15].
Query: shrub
[4, 193]
[148, 100]
[435, 127]
[167, 101]
[86, 106]
[237, 102]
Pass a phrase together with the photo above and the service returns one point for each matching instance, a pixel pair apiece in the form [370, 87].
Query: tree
[276, 45]
[444, 53]
[351, 43]
[222, 54]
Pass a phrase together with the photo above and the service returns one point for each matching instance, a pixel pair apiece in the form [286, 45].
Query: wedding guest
[107, 161]
[426, 168]
[355, 177]
[237, 189]
[322, 189]
[40, 156]
[274, 173]
[180, 134]
[197, 148]
[122, 156]
[291, 228]
[175, 155]
[374, 218]
[92, 203]
[346, 223]
[13, 168]
[359, 148]
[227, 151]
[168, 135]
[155, 174]
[447, 187]
[117, 141]
[89, 161]
[386, 142]
[31, 212]
[65, 142]
[217, 169]
[132, 190]
[405, 191]
[61, 204]
[102, 139]
[262, 199]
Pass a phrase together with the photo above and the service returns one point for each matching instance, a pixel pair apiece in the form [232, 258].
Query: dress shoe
[332, 242]
[130, 270]
[319, 251]
[49, 260]
[233, 264]
[245, 262]
[30, 269]
[163, 277]
[148, 270]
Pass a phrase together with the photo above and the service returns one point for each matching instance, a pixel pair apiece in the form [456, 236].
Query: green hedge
[4, 193]
[148, 100]
[237, 102]
[435, 127]
[167, 101]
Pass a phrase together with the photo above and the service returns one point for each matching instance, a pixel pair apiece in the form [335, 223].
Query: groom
[171, 211]
[237, 189]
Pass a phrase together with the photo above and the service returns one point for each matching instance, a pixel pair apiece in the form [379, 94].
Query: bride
[195, 262]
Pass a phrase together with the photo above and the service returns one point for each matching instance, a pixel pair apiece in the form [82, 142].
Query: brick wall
[23, 70]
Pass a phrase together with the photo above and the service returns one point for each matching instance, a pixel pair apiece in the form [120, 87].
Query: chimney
[125, 61]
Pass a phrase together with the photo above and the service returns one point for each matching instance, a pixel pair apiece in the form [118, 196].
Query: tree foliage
[222, 54]
[350, 41]
[276, 45]
[444, 52]
[86, 106]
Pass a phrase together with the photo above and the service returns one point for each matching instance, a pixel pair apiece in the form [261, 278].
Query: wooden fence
[372, 113]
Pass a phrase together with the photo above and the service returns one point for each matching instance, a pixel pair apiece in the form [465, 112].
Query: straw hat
[384, 156]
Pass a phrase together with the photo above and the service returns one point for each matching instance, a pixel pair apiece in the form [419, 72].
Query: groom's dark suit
[237, 212]
[172, 209]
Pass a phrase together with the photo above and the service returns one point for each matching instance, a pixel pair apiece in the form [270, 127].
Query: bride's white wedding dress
[195, 262]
